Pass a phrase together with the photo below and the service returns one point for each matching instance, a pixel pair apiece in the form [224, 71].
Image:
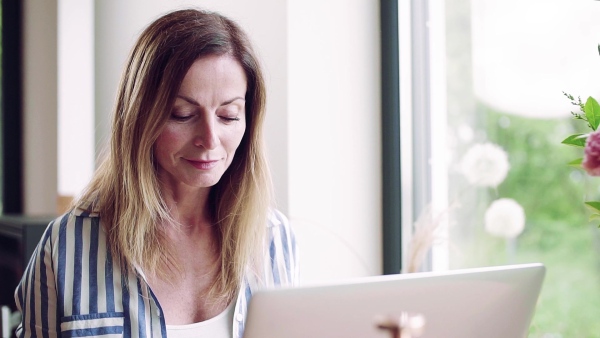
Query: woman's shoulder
[280, 228]
[69, 236]
[282, 249]
[276, 218]
[72, 222]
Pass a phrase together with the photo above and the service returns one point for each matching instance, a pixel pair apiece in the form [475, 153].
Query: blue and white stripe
[74, 287]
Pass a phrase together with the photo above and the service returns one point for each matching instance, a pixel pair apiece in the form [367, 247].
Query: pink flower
[591, 159]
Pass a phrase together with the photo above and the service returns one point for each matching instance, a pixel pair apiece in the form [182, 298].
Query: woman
[175, 231]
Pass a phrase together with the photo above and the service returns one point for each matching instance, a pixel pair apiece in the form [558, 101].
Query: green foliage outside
[557, 231]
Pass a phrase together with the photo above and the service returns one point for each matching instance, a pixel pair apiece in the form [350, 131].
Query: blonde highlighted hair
[125, 191]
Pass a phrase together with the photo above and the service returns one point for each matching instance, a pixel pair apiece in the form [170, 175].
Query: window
[488, 72]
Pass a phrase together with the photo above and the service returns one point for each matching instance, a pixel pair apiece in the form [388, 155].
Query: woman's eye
[181, 118]
[230, 118]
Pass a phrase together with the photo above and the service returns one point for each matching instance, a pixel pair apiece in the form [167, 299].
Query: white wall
[334, 136]
[75, 95]
[321, 61]
[39, 106]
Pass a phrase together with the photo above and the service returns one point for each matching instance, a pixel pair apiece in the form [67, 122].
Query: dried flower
[485, 165]
[505, 218]
[424, 236]
[591, 158]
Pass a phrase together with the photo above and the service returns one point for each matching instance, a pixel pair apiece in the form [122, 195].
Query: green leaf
[576, 163]
[594, 216]
[576, 140]
[595, 206]
[592, 112]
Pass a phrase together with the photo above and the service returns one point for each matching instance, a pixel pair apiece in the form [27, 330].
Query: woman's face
[206, 125]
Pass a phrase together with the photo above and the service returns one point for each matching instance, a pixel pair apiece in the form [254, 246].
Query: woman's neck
[188, 207]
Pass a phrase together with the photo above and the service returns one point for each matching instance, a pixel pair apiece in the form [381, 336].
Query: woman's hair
[125, 191]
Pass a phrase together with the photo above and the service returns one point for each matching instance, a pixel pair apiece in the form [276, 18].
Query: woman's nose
[206, 134]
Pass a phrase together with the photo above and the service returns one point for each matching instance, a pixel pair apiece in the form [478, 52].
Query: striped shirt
[74, 287]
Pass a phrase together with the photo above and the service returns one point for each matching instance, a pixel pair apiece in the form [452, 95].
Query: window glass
[499, 68]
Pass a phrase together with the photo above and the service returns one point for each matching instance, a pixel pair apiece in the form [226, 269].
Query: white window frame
[421, 32]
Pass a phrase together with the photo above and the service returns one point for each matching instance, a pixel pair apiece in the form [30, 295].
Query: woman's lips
[203, 165]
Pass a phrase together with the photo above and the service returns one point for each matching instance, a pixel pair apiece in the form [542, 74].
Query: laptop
[491, 302]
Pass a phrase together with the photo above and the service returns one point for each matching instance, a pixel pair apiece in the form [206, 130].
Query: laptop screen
[483, 302]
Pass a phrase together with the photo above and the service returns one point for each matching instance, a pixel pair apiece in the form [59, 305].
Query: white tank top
[219, 326]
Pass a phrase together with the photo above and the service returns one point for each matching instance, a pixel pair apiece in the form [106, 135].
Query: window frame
[413, 127]
[392, 208]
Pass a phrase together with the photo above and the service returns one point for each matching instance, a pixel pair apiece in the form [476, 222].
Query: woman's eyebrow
[233, 100]
[195, 103]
